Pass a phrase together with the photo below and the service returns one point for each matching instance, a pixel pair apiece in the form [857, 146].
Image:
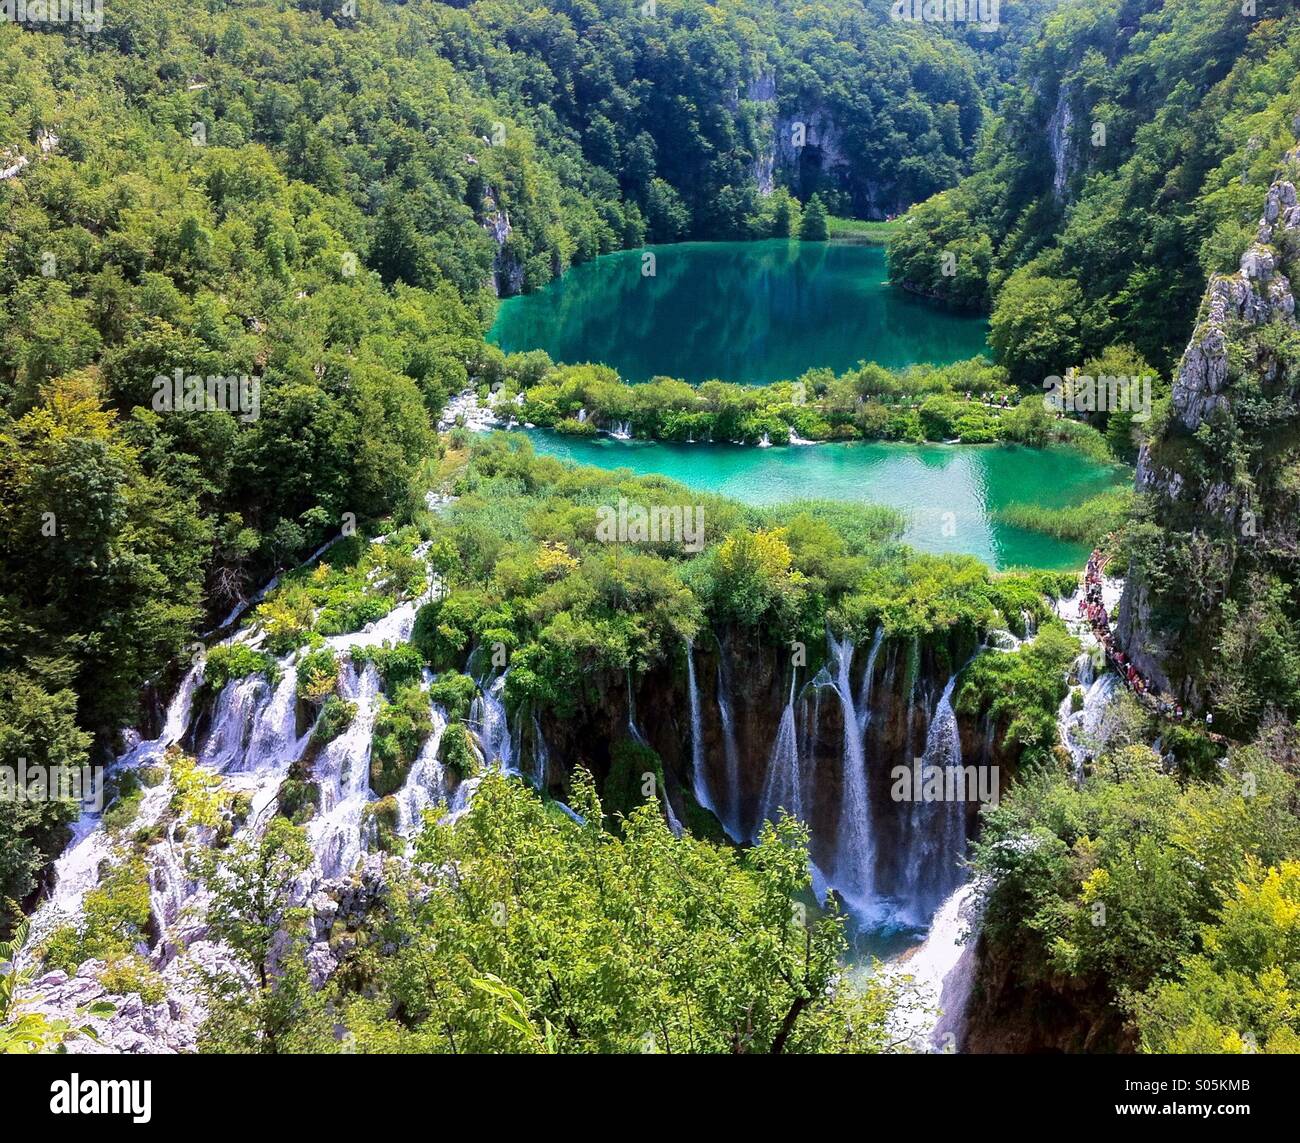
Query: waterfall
[541, 757]
[488, 722]
[865, 687]
[633, 730]
[783, 786]
[342, 773]
[674, 823]
[233, 717]
[942, 972]
[699, 776]
[730, 752]
[937, 828]
[426, 784]
[1081, 729]
[854, 874]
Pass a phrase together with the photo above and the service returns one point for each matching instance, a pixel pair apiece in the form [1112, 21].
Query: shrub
[456, 751]
[400, 726]
[229, 661]
[335, 717]
[133, 974]
[399, 666]
[318, 675]
[454, 692]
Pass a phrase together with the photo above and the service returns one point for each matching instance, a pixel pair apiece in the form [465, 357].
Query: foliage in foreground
[521, 930]
[1173, 898]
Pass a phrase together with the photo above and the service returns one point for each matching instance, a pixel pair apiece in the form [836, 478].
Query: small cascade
[942, 969]
[812, 725]
[233, 718]
[541, 757]
[490, 727]
[864, 688]
[622, 431]
[426, 784]
[274, 742]
[783, 786]
[77, 869]
[342, 772]
[855, 859]
[634, 732]
[937, 827]
[699, 775]
[169, 884]
[765, 441]
[732, 755]
[1081, 729]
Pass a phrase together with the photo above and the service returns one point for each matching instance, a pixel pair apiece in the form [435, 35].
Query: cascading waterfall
[541, 756]
[732, 822]
[488, 722]
[783, 785]
[855, 858]
[865, 687]
[77, 869]
[674, 824]
[699, 776]
[342, 773]
[937, 827]
[634, 731]
[942, 971]
[426, 784]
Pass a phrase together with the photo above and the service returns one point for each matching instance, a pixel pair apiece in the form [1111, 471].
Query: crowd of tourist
[1093, 609]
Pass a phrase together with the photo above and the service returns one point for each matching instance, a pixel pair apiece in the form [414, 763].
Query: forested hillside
[1129, 163]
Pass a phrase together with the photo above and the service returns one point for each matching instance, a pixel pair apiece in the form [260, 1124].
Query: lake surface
[750, 312]
[950, 493]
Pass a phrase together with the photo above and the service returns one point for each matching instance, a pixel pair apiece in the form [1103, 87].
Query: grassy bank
[1088, 522]
[861, 230]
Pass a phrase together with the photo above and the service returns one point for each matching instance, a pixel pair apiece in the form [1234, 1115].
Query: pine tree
[814, 227]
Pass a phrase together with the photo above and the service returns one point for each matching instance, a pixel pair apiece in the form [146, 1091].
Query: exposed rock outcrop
[507, 270]
[1227, 516]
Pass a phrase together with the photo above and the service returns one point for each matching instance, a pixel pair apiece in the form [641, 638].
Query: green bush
[318, 675]
[228, 661]
[398, 666]
[456, 751]
[335, 717]
[454, 692]
[401, 724]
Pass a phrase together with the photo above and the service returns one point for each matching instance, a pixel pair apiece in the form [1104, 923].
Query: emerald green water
[950, 493]
[751, 312]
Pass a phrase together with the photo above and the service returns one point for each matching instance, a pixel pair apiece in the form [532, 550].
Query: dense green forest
[321, 203]
[1130, 162]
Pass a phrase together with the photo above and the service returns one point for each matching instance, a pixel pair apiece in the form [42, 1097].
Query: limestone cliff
[1219, 478]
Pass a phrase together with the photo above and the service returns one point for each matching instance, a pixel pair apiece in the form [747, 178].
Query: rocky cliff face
[805, 147]
[1219, 473]
[507, 272]
[1009, 1014]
